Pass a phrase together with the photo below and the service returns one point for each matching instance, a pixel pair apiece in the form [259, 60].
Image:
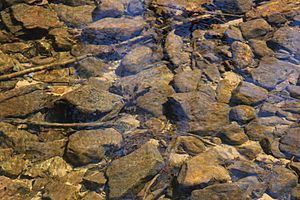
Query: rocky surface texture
[149, 99]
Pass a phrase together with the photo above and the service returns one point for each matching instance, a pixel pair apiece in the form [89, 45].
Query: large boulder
[127, 175]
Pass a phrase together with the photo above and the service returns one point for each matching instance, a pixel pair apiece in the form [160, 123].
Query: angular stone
[91, 102]
[53, 167]
[242, 114]
[234, 6]
[112, 30]
[295, 194]
[203, 170]
[24, 104]
[226, 86]
[290, 143]
[189, 144]
[242, 55]
[233, 134]
[260, 48]
[198, 112]
[282, 182]
[63, 38]
[174, 48]
[60, 191]
[14, 166]
[187, 81]
[110, 8]
[294, 91]
[137, 60]
[128, 174]
[233, 34]
[90, 146]
[93, 196]
[78, 16]
[14, 189]
[6, 63]
[249, 94]
[255, 28]
[250, 149]
[91, 67]
[153, 78]
[225, 191]
[272, 72]
[288, 38]
[33, 17]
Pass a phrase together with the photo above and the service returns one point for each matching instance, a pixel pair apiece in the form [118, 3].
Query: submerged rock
[234, 6]
[255, 28]
[290, 143]
[128, 174]
[90, 146]
[113, 30]
[198, 112]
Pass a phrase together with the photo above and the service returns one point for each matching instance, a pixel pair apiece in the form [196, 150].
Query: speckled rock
[255, 28]
[242, 114]
[128, 174]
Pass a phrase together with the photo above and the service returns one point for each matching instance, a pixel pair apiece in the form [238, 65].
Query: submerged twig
[42, 67]
[59, 125]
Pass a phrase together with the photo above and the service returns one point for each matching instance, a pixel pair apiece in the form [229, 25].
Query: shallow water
[149, 99]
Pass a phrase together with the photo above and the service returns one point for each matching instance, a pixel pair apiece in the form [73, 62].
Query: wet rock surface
[154, 99]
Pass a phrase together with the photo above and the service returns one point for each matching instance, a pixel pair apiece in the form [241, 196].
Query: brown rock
[89, 146]
[242, 55]
[33, 17]
[187, 81]
[255, 28]
[242, 114]
[233, 134]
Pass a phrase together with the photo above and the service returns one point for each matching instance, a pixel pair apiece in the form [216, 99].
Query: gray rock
[233, 134]
[198, 112]
[233, 34]
[113, 30]
[252, 187]
[110, 8]
[152, 102]
[153, 78]
[244, 168]
[91, 102]
[234, 6]
[290, 143]
[225, 191]
[255, 28]
[137, 60]
[249, 94]
[281, 182]
[288, 38]
[272, 72]
[128, 174]
[78, 16]
[91, 67]
[242, 114]
[90, 146]
[260, 48]
[174, 48]
[187, 81]
[294, 91]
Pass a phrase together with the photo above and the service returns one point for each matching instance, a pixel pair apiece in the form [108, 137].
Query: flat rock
[128, 174]
[260, 48]
[24, 105]
[249, 94]
[89, 146]
[255, 28]
[282, 182]
[78, 16]
[14, 189]
[272, 72]
[234, 6]
[288, 38]
[233, 134]
[205, 169]
[14, 166]
[90, 101]
[187, 81]
[33, 17]
[6, 63]
[242, 114]
[290, 143]
[60, 191]
[225, 191]
[198, 112]
[174, 48]
[137, 60]
[294, 91]
[112, 30]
